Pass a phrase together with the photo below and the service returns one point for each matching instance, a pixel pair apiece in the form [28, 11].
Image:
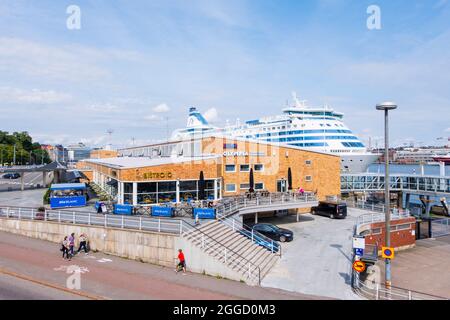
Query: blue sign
[205, 213]
[67, 202]
[123, 209]
[359, 252]
[161, 211]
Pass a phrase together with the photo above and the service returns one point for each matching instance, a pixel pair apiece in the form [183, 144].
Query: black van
[329, 209]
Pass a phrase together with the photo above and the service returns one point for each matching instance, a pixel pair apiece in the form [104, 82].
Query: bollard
[19, 214]
[7, 213]
[32, 214]
[159, 224]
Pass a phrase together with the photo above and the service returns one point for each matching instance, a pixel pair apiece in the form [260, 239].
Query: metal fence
[174, 226]
[440, 227]
[165, 225]
[374, 291]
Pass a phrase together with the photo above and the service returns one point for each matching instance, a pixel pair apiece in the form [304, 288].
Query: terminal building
[169, 172]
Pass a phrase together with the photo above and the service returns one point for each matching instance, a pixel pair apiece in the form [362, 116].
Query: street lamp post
[386, 106]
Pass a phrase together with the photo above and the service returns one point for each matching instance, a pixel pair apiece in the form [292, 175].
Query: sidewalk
[425, 268]
[116, 278]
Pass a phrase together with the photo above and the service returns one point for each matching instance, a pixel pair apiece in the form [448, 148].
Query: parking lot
[318, 260]
[31, 180]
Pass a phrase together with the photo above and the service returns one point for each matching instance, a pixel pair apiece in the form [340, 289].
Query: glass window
[188, 185]
[230, 187]
[210, 184]
[167, 186]
[128, 198]
[128, 187]
[259, 186]
[166, 197]
[230, 168]
[308, 178]
[308, 162]
[244, 168]
[146, 187]
[188, 195]
[259, 167]
[146, 198]
[244, 186]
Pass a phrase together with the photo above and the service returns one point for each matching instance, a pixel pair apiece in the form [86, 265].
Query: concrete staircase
[234, 250]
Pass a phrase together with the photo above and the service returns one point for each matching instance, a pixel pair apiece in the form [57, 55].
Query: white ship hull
[357, 163]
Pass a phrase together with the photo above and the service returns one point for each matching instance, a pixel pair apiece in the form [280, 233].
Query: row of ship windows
[283, 133]
[302, 125]
[312, 138]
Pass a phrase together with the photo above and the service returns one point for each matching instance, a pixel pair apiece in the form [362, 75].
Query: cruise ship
[318, 129]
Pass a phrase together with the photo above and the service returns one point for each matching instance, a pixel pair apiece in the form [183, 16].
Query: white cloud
[447, 130]
[152, 117]
[32, 96]
[161, 108]
[211, 115]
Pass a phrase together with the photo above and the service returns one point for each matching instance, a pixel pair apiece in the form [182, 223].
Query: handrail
[196, 229]
[173, 226]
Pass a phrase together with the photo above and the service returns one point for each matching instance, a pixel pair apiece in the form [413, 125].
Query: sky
[135, 67]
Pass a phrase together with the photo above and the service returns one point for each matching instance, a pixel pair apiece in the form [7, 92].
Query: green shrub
[46, 198]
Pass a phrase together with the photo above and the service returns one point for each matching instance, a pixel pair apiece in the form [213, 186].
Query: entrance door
[281, 185]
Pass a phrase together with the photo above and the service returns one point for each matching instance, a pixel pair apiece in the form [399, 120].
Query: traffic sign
[387, 252]
[359, 252]
[359, 266]
[359, 242]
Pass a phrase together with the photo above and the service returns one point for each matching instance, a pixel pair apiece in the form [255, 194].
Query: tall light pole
[386, 106]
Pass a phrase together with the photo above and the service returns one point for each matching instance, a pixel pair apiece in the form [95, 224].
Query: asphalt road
[112, 277]
[13, 288]
[318, 260]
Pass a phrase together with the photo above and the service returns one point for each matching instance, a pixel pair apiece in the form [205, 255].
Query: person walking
[72, 244]
[83, 242]
[182, 262]
[65, 249]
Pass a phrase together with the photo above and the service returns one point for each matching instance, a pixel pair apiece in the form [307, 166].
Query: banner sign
[161, 211]
[67, 202]
[205, 213]
[123, 209]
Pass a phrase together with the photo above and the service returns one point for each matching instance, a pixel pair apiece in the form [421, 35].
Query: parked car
[13, 175]
[273, 232]
[272, 246]
[333, 210]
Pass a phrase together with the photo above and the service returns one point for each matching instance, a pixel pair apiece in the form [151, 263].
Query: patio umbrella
[289, 178]
[201, 187]
[251, 182]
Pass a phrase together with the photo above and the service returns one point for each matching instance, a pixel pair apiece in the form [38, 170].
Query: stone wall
[156, 248]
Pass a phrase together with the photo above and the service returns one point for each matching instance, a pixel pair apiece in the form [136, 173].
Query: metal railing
[376, 291]
[380, 217]
[173, 226]
[223, 253]
[164, 225]
[440, 227]
[230, 206]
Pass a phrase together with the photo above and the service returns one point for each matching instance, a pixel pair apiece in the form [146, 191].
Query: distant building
[77, 152]
[417, 155]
